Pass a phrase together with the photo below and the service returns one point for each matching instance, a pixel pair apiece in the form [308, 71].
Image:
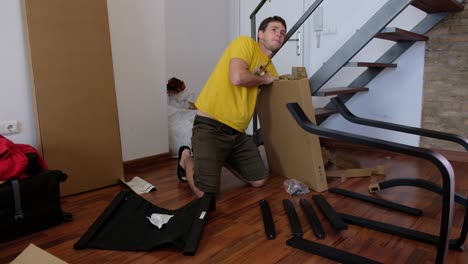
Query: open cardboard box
[291, 151]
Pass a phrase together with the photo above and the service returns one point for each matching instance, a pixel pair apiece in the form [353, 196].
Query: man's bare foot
[185, 154]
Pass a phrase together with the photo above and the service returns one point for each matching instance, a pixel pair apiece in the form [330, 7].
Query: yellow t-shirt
[227, 103]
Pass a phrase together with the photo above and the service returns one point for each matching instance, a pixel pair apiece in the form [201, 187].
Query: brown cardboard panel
[74, 91]
[291, 151]
[35, 255]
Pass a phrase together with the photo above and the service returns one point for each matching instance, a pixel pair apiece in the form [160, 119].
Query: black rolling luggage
[31, 204]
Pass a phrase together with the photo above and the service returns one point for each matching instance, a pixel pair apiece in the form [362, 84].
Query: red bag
[13, 159]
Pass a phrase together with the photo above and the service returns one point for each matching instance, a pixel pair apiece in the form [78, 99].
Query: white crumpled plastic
[159, 219]
[295, 187]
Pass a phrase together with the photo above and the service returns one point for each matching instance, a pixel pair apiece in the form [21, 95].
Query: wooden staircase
[436, 10]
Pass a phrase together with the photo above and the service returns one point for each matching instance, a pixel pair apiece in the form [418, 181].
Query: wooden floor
[235, 234]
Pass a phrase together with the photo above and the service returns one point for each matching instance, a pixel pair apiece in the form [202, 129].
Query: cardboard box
[291, 151]
[34, 255]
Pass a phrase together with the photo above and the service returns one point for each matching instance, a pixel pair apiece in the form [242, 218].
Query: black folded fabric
[124, 225]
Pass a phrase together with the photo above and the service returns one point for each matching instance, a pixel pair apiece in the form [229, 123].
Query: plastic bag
[295, 187]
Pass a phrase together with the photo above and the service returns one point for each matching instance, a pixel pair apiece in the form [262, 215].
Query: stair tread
[398, 34]
[436, 6]
[371, 64]
[324, 112]
[340, 90]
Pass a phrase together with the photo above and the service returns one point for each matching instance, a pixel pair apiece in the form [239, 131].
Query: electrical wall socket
[9, 127]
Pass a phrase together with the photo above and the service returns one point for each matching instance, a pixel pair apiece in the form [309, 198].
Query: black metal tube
[328, 252]
[376, 201]
[438, 160]
[255, 11]
[268, 223]
[420, 183]
[294, 222]
[313, 219]
[391, 229]
[299, 23]
[329, 212]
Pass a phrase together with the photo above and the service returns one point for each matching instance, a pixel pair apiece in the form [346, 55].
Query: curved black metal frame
[438, 160]
[344, 111]
[348, 115]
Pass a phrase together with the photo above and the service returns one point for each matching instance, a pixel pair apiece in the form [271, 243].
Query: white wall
[155, 40]
[151, 42]
[197, 34]
[394, 96]
[15, 91]
[138, 49]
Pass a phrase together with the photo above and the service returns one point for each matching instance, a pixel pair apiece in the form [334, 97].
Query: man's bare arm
[240, 75]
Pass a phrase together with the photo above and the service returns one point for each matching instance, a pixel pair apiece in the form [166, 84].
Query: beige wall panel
[74, 91]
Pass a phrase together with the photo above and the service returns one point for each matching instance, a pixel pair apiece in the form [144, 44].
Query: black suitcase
[31, 204]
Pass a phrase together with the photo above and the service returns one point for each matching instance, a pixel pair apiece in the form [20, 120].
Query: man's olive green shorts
[215, 145]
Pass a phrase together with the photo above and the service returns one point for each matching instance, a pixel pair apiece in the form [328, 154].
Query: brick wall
[445, 98]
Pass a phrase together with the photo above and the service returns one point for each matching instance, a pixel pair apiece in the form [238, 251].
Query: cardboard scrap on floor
[348, 167]
[139, 185]
[35, 255]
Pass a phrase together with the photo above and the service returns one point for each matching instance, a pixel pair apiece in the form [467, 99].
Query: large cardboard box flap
[35, 255]
[291, 151]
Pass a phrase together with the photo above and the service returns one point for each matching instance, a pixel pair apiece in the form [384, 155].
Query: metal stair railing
[253, 19]
[357, 42]
[253, 32]
[435, 158]
[423, 27]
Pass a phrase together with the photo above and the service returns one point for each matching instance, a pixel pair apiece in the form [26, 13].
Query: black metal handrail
[253, 22]
[299, 22]
[438, 160]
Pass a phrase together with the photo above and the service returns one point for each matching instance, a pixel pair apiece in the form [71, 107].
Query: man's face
[273, 37]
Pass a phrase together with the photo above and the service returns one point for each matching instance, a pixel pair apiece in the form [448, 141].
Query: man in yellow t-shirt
[225, 107]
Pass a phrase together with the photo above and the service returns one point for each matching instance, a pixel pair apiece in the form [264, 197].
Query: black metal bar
[294, 222]
[313, 219]
[346, 113]
[427, 238]
[438, 160]
[255, 11]
[430, 186]
[420, 183]
[391, 229]
[327, 252]
[268, 223]
[253, 33]
[198, 224]
[377, 201]
[458, 243]
[329, 212]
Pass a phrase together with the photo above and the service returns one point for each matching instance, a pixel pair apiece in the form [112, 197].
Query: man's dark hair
[267, 20]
